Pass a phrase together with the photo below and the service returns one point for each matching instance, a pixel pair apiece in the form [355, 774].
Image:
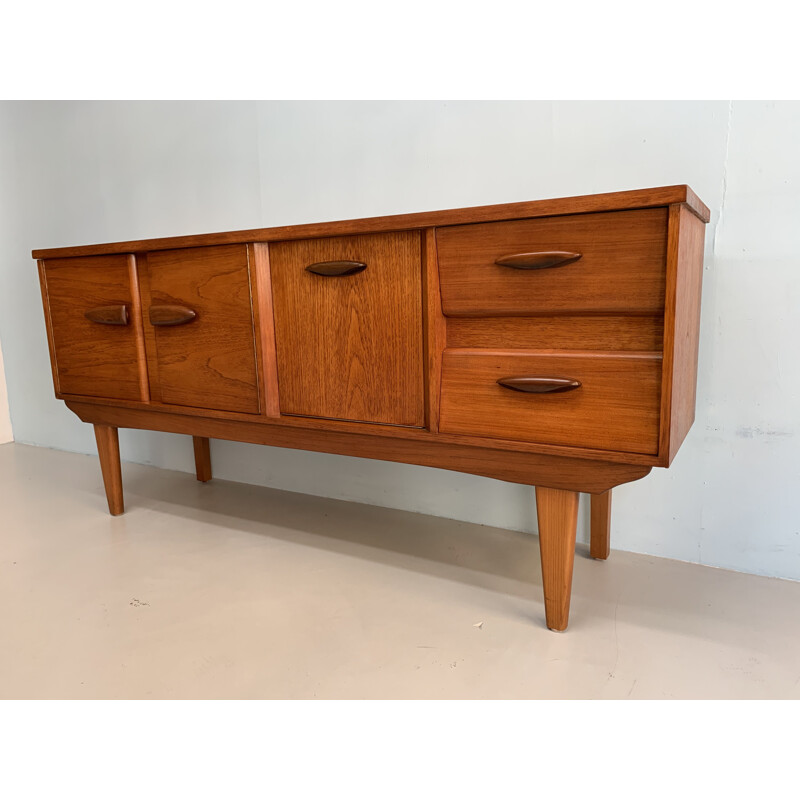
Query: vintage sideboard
[550, 343]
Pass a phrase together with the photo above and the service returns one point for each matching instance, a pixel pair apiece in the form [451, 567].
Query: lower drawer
[615, 405]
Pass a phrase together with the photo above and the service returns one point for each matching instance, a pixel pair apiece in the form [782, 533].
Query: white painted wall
[75, 173]
[5, 419]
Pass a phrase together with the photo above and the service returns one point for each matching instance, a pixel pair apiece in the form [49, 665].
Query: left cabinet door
[94, 326]
[199, 329]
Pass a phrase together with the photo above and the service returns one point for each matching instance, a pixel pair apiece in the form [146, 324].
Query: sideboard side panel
[49, 326]
[681, 328]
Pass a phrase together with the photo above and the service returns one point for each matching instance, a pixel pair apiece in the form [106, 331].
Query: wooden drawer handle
[543, 260]
[536, 385]
[332, 269]
[108, 315]
[171, 315]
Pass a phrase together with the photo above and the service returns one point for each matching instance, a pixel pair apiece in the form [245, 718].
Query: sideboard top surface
[612, 201]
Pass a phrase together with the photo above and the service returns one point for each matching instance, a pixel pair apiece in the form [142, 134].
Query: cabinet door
[199, 329]
[349, 342]
[94, 326]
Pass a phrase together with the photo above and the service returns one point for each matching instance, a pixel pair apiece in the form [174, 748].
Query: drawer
[609, 263]
[614, 407]
[348, 327]
[93, 319]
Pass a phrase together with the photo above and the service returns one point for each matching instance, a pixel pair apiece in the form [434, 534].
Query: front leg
[108, 450]
[557, 511]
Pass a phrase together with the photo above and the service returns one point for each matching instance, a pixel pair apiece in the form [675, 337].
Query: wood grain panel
[616, 407]
[90, 358]
[609, 201]
[350, 347]
[557, 333]
[137, 321]
[266, 356]
[435, 330]
[600, 538]
[621, 270]
[202, 458]
[560, 472]
[412, 435]
[209, 362]
[557, 515]
[681, 328]
[107, 439]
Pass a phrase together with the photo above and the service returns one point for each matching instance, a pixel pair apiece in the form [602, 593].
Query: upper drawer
[620, 269]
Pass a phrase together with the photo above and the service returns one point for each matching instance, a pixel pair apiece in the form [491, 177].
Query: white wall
[77, 173]
[5, 419]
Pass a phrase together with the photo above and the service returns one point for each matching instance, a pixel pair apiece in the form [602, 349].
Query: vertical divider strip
[434, 329]
[264, 323]
[138, 328]
[149, 338]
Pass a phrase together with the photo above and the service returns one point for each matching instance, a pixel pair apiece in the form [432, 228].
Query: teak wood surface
[557, 513]
[350, 346]
[621, 389]
[584, 204]
[91, 358]
[600, 531]
[202, 458]
[620, 269]
[551, 343]
[108, 451]
[210, 361]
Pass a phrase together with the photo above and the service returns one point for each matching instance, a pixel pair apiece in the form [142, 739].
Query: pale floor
[226, 590]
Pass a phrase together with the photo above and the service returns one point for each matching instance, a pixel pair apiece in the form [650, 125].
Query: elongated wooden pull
[170, 315]
[533, 384]
[108, 315]
[543, 260]
[332, 269]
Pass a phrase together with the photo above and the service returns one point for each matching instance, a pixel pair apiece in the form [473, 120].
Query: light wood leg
[557, 511]
[108, 450]
[601, 525]
[202, 458]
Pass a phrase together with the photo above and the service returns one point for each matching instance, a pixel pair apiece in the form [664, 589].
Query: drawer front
[615, 407]
[198, 322]
[349, 337]
[621, 266]
[93, 320]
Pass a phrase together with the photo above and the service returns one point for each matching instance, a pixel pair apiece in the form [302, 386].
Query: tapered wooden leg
[557, 511]
[108, 450]
[202, 458]
[601, 525]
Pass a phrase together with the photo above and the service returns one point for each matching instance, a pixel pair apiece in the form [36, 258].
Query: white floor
[225, 590]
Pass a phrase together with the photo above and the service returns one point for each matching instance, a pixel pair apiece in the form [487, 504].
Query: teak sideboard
[550, 343]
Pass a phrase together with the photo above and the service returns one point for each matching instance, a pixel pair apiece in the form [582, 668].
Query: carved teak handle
[163, 316]
[539, 385]
[542, 260]
[330, 269]
[108, 315]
